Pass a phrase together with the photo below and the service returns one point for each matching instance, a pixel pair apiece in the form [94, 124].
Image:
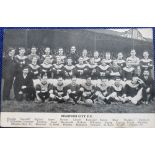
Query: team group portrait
[78, 70]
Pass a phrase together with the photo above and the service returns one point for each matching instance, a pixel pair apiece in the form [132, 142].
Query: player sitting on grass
[60, 92]
[102, 91]
[44, 90]
[117, 92]
[73, 90]
[134, 89]
[88, 90]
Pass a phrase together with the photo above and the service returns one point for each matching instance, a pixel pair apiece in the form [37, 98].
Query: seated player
[44, 90]
[61, 55]
[128, 71]
[108, 59]
[33, 54]
[117, 92]
[120, 61]
[73, 90]
[85, 57]
[47, 54]
[88, 90]
[23, 86]
[21, 59]
[134, 90]
[73, 55]
[58, 69]
[69, 69]
[46, 67]
[92, 69]
[34, 69]
[148, 91]
[103, 70]
[115, 70]
[146, 62]
[102, 91]
[80, 69]
[96, 57]
[60, 92]
[133, 60]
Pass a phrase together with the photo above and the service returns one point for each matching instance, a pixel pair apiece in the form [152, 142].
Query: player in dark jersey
[96, 57]
[85, 57]
[47, 54]
[92, 69]
[60, 91]
[134, 90]
[148, 91]
[88, 90]
[69, 69]
[21, 59]
[73, 90]
[103, 70]
[61, 55]
[9, 73]
[44, 90]
[128, 71]
[117, 94]
[81, 69]
[23, 86]
[120, 61]
[58, 69]
[33, 54]
[146, 63]
[34, 68]
[46, 67]
[102, 91]
[115, 70]
[108, 59]
[73, 55]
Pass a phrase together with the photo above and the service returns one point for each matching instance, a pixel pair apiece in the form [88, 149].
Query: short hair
[26, 67]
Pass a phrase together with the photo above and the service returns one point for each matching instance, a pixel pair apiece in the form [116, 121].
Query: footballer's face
[88, 80]
[134, 80]
[117, 82]
[146, 55]
[47, 60]
[22, 51]
[11, 53]
[114, 63]
[80, 61]
[84, 53]
[58, 61]
[69, 61]
[60, 51]
[120, 55]
[96, 54]
[60, 81]
[25, 71]
[34, 61]
[44, 79]
[92, 61]
[107, 55]
[73, 49]
[133, 53]
[33, 50]
[146, 73]
[74, 81]
[47, 51]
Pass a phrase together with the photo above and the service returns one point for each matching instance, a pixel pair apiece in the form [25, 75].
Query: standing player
[61, 55]
[73, 90]
[85, 57]
[47, 54]
[80, 69]
[44, 90]
[60, 92]
[33, 54]
[134, 90]
[120, 61]
[103, 70]
[108, 59]
[73, 55]
[96, 57]
[92, 69]
[58, 69]
[46, 67]
[146, 62]
[34, 69]
[102, 91]
[69, 69]
[9, 71]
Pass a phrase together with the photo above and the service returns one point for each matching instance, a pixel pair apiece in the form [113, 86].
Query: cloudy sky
[147, 32]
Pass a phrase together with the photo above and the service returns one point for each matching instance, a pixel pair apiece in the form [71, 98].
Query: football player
[47, 54]
[96, 57]
[73, 55]
[108, 59]
[33, 54]
[120, 61]
[115, 70]
[61, 55]
[85, 57]
[23, 86]
[92, 69]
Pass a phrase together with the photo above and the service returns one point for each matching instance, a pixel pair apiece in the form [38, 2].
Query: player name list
[79, 120]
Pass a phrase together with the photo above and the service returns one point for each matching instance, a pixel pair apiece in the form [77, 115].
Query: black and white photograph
[78, 70]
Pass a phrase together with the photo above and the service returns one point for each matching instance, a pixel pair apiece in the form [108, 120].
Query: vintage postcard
[77, 77]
